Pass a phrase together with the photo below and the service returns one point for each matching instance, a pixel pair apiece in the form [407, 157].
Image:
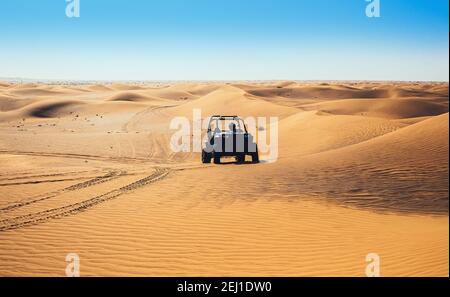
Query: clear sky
[225, 40]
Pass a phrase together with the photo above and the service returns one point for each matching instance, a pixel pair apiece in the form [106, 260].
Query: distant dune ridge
[362, 167]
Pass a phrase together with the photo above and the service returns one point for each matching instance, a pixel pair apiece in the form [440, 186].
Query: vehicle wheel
[216, 159]
[206, 157]
[255, 156]
[240, 159]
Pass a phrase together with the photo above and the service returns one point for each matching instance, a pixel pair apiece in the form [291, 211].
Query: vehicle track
[25, 176]
[89, 183]
[77, 156]
[32, 182]
[153, 110]
[120, 160]
[71, 209]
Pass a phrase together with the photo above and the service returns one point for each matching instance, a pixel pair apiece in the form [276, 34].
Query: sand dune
[128, 96]
[362, 168]
[232, 101]
[199, 89]
[99, 88]
[313, 132]
[40, 109]
[320, 92]
[374, 174]
[124, 87]
[8, 103]
[34, 91]
[384, 108]
[344, 91]
[50, 109]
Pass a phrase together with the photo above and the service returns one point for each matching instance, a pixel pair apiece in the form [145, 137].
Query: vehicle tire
[216, 159]
[206, 157]
[255, 156]
[240, 159]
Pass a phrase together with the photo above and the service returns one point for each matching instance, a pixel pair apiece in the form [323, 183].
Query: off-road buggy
[228, 137]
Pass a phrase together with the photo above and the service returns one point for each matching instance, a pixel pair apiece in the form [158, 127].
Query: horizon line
[142, 81]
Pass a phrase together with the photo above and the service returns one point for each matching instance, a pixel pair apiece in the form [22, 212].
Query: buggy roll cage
[218, 118]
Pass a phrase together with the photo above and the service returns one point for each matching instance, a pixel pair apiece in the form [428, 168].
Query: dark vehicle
[228, 137]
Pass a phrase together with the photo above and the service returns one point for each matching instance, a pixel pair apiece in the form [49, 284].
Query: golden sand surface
[362, 168]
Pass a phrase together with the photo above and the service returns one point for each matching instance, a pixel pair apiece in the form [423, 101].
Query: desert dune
[87, 168]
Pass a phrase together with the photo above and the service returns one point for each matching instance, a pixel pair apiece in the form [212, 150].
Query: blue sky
[225, 40]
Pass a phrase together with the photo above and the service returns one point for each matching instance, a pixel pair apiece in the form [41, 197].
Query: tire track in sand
[89, 183]
[77, 156]
[71, 209]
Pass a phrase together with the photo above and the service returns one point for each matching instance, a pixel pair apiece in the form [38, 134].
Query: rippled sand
[87, 169]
